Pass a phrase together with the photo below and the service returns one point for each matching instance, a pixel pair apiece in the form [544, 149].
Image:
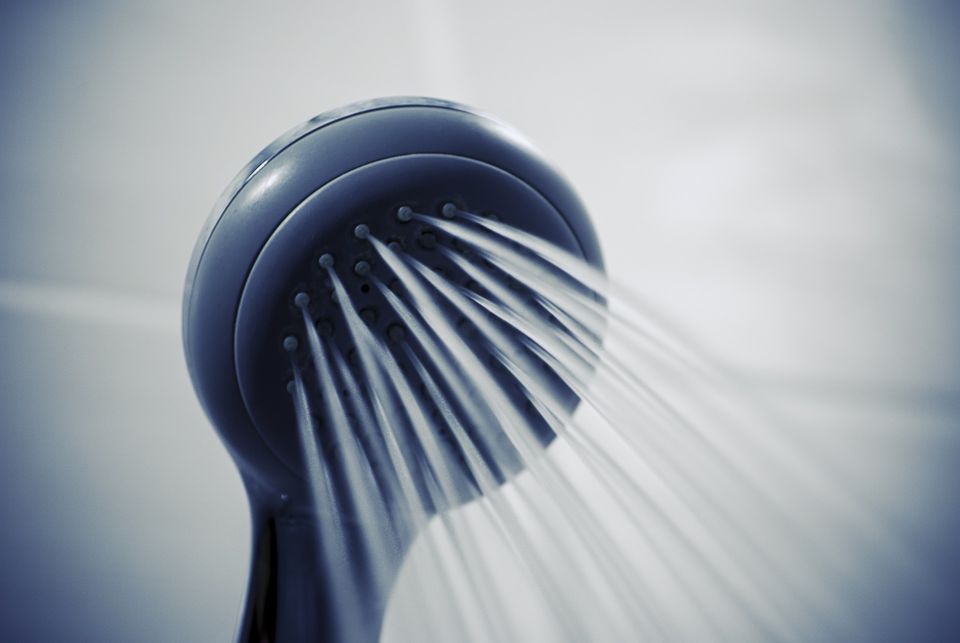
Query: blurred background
[781, 180]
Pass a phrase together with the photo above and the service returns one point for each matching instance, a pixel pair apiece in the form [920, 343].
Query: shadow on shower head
[300, 221]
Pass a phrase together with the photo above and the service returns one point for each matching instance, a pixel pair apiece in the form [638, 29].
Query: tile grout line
[93, 305]
[157, 314]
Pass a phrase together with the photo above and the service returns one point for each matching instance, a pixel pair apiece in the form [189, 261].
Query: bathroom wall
[780, 180]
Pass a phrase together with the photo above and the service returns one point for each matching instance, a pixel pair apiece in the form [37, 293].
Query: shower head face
[369, 166]
[324, 227]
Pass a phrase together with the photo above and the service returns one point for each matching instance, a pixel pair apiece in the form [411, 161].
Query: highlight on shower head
[313, 203]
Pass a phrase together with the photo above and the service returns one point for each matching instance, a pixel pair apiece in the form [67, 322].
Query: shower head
[303, 217]
[301, 199]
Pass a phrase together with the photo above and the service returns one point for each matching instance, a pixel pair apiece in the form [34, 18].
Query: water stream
[670, 506]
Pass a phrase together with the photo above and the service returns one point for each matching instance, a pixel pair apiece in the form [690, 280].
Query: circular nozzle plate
[331, 229]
